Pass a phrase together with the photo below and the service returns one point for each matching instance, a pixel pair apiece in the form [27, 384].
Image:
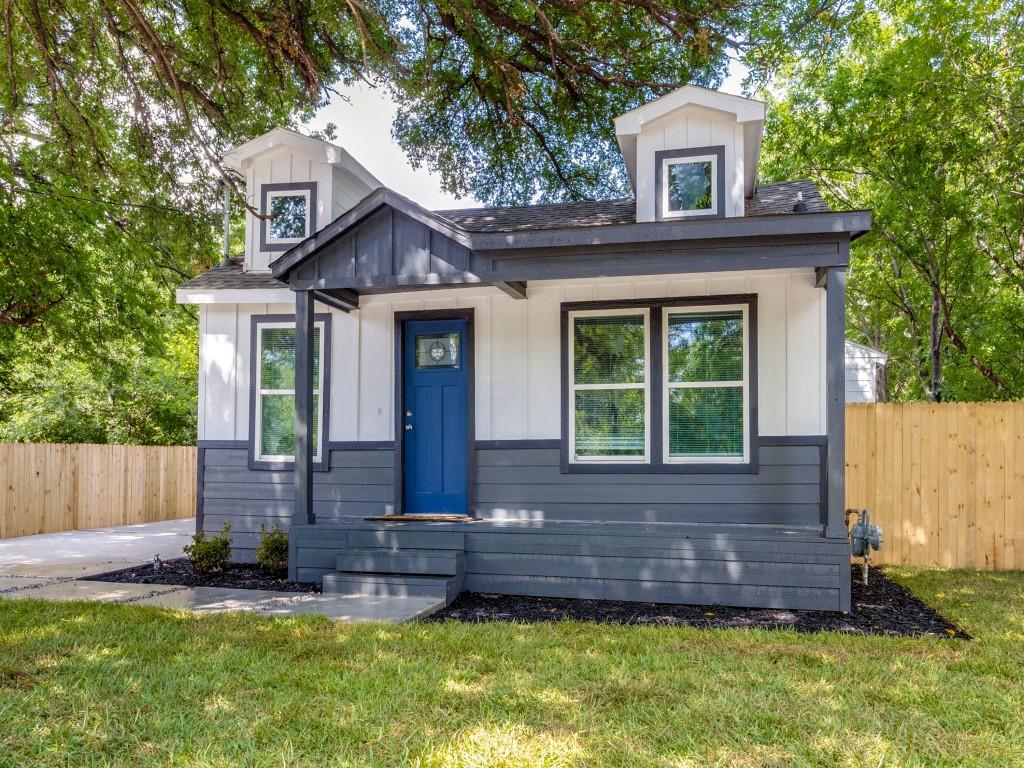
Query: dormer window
[289, 212]
[690, 182]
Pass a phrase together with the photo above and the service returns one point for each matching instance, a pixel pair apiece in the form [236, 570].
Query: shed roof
[768, 200]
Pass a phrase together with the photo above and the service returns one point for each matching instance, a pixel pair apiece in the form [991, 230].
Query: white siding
[280, 166]
[687, 128]
[517, 354]
[861, 372]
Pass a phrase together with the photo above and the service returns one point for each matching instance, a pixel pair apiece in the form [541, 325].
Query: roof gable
[743, 109]
[319, 150]
[648, 119]
[384, 240]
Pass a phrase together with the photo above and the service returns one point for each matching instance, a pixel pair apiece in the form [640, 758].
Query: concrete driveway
[55, 566]
[83, 553]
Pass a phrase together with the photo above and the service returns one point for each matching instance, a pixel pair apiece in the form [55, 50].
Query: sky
[364, 129]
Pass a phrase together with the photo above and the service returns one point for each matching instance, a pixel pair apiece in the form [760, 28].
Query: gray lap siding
[525, 483]
[358, 484]
[703, 538]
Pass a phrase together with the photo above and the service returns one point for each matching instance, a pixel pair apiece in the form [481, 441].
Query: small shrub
[272, 553]
[210, 555]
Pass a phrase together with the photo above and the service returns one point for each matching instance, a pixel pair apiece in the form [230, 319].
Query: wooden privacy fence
[945, 481]
[48, 488]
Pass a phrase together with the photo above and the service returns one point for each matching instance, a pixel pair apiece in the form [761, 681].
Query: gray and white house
[636, 399]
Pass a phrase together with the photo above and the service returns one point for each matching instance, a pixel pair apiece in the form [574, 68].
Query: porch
[767, 566]
[765, 530]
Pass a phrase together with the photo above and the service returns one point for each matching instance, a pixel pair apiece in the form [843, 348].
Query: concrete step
[418, 562]
[391, 585]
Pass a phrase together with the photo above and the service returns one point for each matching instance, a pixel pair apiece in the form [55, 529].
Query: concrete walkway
[50, 567]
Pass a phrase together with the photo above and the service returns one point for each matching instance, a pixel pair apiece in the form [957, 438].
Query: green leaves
[915, 111]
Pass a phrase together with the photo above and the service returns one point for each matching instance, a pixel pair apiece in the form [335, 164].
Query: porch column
[303, 514]
[835, 394]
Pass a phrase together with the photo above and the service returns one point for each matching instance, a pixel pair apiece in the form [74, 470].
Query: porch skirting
[748, 565]
[733, 539]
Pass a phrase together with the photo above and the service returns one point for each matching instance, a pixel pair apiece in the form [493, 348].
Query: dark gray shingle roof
[232, 276]
[523, 218]
[768, 200]
[773, 199]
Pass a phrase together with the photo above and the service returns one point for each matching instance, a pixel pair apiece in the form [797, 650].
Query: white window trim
[668, 386]
[260, 392]
[645, 312]
[669, 161]
[271, 240]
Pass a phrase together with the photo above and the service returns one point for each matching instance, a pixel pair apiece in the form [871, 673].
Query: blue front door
[435, 417]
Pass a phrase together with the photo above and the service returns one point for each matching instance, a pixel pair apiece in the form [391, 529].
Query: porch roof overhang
[387, 243]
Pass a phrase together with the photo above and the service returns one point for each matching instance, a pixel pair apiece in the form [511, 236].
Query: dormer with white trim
[692, 153]
[300, 184]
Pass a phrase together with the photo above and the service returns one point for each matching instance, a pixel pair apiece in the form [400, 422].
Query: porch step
[407, 538]
[413, 562]
[392, 585]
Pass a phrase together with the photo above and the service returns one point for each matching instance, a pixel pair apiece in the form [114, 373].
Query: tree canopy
[917, 111]
[114, 115]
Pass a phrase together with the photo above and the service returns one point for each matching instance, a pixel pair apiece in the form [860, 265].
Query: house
[863, 368]
[636, 399]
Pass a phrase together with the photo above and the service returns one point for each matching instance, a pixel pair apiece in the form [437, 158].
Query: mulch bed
[179, 573]
[882, 607]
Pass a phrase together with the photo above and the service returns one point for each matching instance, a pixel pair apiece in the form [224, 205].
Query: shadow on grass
[93, 684]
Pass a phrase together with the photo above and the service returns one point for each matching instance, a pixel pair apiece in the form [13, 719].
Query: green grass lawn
[90, 684]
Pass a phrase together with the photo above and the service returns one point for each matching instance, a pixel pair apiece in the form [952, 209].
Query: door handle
[408, 414]
[408, 427]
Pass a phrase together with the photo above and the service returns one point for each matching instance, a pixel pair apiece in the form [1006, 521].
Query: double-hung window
[705, 396]
[660, 384]
[274, 407]
[609, 387]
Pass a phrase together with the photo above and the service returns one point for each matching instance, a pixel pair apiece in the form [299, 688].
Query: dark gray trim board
[298, 186]
[656, 463]
[325, 372]
[305, 414]
[835, 399]
[362, 445]
[514, 445]
[400, 318]
[200, 483]
[226, 444]
[719, 192]
[839, 224]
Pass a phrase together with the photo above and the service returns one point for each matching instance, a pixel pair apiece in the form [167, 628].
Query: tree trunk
[935, 385]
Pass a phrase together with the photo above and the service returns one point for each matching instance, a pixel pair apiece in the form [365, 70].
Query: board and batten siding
[517, 354]
[688, 128]
[286, 166]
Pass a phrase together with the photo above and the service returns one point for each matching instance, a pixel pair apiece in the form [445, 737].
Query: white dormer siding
[692, 124]
[329, 177]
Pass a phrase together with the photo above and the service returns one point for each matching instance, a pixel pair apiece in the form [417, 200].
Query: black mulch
[179, 573]
[881, 608]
